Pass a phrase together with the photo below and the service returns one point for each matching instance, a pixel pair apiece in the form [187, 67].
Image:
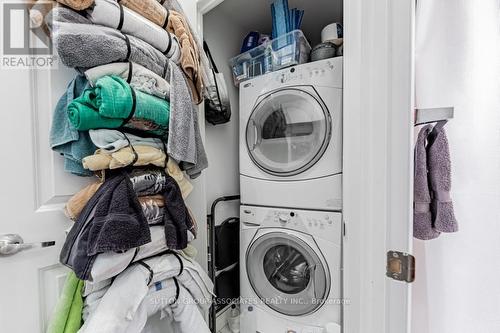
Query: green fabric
[67, 315]
[110, 102]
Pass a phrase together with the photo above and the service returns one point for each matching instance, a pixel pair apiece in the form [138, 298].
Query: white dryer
[290, 271]
[291, 137]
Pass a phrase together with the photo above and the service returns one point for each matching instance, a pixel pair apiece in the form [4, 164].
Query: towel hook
[433, 115]
[440, 116]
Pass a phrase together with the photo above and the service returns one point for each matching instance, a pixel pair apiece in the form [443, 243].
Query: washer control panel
[326, 225]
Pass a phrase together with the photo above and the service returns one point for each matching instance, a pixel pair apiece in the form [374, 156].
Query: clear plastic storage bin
[287, 50]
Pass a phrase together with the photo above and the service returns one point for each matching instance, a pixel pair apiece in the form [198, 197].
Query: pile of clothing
[129, 118]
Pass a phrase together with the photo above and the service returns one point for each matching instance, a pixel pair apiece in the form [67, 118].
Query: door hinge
[400, 266]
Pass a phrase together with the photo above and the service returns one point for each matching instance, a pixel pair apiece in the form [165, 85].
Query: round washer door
[288, 131]
[287, 274]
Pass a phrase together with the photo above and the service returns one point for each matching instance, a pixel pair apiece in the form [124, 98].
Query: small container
[323, 51]
[331, 32]
[287, 50]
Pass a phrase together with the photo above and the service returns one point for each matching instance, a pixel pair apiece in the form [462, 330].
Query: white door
[33, 191]
[378, 161]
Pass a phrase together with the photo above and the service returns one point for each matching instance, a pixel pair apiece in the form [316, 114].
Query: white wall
[457, 287]
[224, 37]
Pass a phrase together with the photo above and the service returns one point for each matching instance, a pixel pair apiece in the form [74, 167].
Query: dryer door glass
[287, 274]
[288, 132]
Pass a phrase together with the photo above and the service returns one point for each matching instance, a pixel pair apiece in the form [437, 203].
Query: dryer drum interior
[288, 131]
[287, 274]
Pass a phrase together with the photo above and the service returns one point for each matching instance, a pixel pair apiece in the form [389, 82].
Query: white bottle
[233, 320]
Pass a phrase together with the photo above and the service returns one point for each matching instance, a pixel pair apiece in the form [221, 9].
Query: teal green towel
[110, 103]
[72, 144]
[67, 315]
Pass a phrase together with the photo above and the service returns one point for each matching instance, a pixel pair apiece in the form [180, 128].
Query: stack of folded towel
[129, 117]
[116, 63]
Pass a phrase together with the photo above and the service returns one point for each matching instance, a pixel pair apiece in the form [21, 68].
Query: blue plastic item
[284, 20]
[281, 18]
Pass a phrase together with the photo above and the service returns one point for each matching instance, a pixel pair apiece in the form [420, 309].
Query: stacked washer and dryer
[291, 191]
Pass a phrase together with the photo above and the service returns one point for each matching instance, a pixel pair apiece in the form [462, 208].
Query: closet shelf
[432, 115]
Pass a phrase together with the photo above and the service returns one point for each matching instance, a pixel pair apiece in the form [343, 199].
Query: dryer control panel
[327, 73]
[304, 73]
[325, 225]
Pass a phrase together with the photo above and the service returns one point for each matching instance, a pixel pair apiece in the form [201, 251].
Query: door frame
[378, 159]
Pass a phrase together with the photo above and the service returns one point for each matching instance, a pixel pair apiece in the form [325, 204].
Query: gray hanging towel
[439, 164]
[422, 217]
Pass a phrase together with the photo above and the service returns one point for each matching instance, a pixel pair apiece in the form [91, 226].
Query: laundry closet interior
[224, 25]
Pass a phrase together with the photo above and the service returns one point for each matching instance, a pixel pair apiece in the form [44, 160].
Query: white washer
[290, 271]
[291, 137]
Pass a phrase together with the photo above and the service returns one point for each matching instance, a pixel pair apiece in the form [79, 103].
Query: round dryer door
[288, 131]
[287, 274]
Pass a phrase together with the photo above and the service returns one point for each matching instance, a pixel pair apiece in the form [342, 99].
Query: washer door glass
[288, 132]
[287, 274]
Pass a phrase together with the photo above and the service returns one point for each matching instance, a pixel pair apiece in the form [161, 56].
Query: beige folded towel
[75, 205]
[146, 155]
[190, 58]
[176, 173]
[77, 4]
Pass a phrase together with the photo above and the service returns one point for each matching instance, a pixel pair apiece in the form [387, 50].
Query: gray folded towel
[81, 44]
[439, 165]
[422, 217]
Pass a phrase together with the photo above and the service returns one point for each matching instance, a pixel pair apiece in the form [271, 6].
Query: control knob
[284, 218]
